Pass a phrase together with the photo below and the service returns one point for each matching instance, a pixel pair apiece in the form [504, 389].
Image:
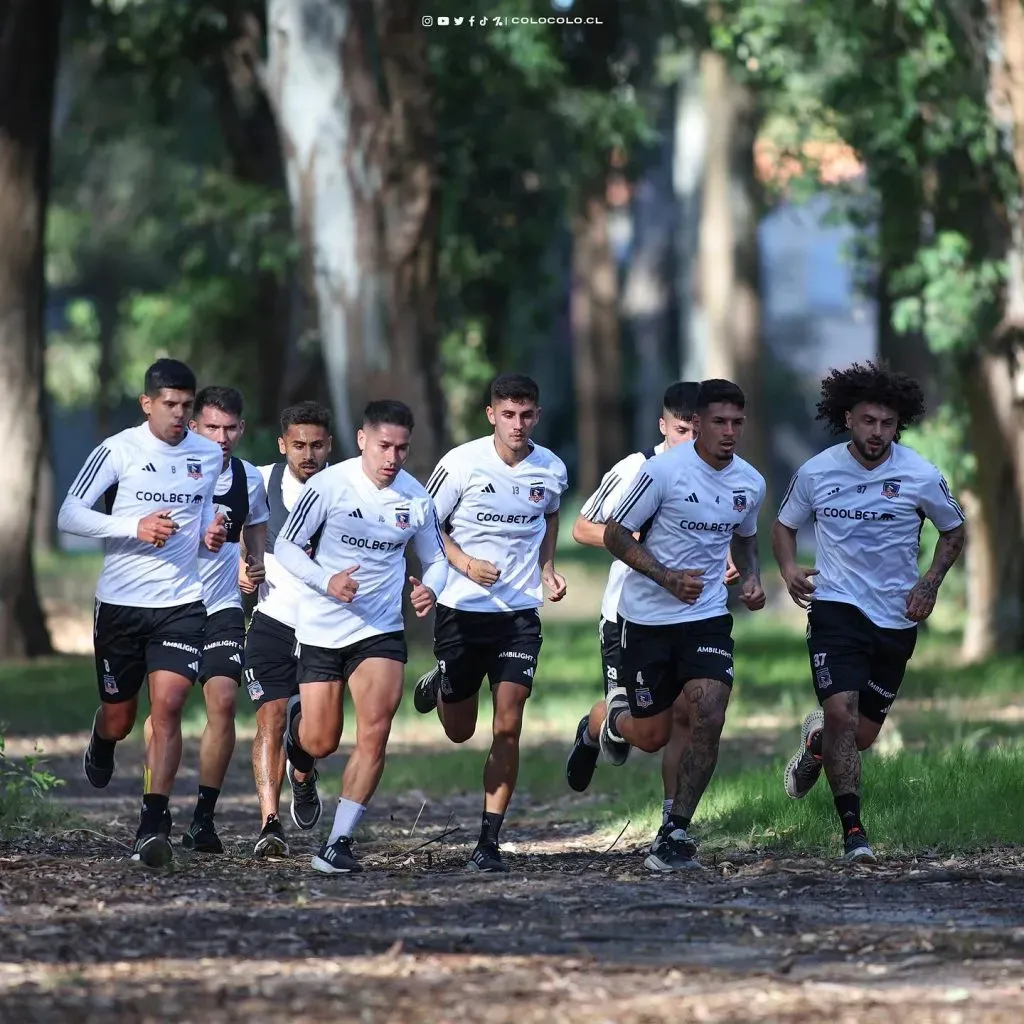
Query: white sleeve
[259, 508]
[555, 501]
[749, 525]
[77, 515]
[798, 502]
[306, 517]
[445, 487]
[429, 546]
[939, 505]
[600, 505]
[641, 500]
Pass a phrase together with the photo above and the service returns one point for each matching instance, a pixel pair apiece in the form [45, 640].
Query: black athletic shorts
[224, 646]
[271, 664]
[850, 653]
[610, 634]
[503, 646]
[326, 664]
[658, 661]
[132, 642]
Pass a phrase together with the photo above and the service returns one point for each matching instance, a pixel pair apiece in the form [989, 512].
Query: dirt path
[87, 936]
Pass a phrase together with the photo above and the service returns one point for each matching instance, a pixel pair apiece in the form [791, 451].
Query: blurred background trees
[328, 199]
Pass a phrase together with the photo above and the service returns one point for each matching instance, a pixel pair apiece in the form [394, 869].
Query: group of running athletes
[189, 529]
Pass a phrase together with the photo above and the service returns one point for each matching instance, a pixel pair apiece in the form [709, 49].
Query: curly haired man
[868, 498]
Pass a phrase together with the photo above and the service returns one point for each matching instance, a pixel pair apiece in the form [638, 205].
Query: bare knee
[651, 734]
[270, 721]
[372, 736]
[117, 720]
[841, 715]
[459, 720]
[221, 702]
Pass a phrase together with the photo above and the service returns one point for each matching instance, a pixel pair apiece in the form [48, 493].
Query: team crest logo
[643, 697]
[402, 519]
[739, 501]
[890, 488]
[536, 492]
[824, 678]
[195, 468]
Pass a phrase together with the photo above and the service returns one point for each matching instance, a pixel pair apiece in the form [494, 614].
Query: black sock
[814, 747]
[206, 804]
[154, 806]
[301, 761]
[491, 827]
[848, 809]
[101, 745]
[678, 821]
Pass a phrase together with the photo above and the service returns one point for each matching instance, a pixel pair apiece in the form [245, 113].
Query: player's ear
[146, 403]
[848, 420]
[192, 425]
[490, 416]
[536, 418]
[241, 427]
[281, 447]
[361, 439]
[329, 445]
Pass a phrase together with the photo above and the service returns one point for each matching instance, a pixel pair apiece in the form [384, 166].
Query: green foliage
[24, 786]
[465, 373]
[943, 439]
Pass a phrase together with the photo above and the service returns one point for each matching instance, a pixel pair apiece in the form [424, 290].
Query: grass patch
[24, 787]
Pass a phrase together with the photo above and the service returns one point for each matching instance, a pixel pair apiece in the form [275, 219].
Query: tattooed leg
[839, 753]
[708, 699]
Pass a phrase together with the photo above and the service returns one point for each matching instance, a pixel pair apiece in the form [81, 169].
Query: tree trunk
[689, 141]
[250, 133]
[729, 270]
[594, 317]
[349, 83]
[29, 32]
[995, 613]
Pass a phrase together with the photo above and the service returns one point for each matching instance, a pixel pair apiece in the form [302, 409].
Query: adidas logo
[193, 666]
[489, 489]
[149, 468]
[237, 658]
[693, 497]
[356, 514]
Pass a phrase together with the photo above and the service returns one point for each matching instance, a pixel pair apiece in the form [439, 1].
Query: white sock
[666, 810]
[346, 817]
[588, 740]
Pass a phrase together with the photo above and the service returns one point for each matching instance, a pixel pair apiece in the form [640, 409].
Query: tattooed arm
[685, 584]
[921, 600]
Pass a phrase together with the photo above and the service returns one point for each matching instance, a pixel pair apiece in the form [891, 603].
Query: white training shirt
[686, 514]
[867, 526]
[495, 513]
[280, 593]
[220, 573]
[365, 526]
[598, 508]
[139, 474]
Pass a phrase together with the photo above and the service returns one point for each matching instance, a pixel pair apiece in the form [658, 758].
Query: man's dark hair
[228, 400]
[870, 382]
[681, 399]
[170, 374]
[514, 387]
[305, 414]
[717, 390]
[390, 411]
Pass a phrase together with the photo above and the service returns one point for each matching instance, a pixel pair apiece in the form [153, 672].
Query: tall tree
[349, 83]
[28, 69]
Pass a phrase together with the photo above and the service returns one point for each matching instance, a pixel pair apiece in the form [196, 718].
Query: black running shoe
[202, 837]
[672, 850]
[614, 748]
[336, 858]
[487, 858]
[306, 803]
[582, 760]
[804, 768]
[424, 696]
[152, 849]
[98, 762]
[271, 842]
[166, 824]
[856, 849]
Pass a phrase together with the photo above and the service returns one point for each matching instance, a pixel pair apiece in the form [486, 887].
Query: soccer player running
[241, 498]
[867, 498]
[676, 425]
[350, 630]
[158, 481]
[687, 505]
[270, 661]
[497, 498]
